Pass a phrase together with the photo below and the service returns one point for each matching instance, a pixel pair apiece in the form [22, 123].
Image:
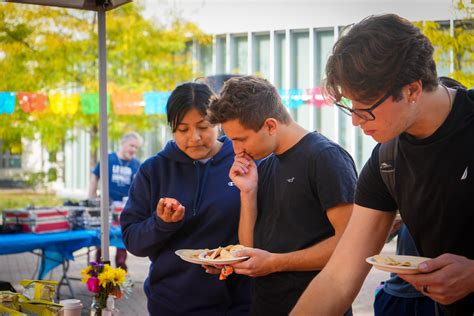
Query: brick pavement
[24, 266]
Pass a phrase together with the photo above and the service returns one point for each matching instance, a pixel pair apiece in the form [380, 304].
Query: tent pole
[104, 163]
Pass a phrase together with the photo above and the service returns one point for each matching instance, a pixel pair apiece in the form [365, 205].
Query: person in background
[385, 65]
[296, 206]
[123, 166]
[398, 297]
[182, 198]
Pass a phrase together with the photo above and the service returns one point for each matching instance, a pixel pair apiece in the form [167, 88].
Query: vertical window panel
[280, 55]
[262, 55]
[300, 60]
[324, 41]
[240, 58]
[205, 60]
[221, 54]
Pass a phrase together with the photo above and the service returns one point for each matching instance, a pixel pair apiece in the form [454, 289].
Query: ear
[271, 125]
[414, 91]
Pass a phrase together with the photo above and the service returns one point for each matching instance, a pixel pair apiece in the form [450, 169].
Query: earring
[412, 102]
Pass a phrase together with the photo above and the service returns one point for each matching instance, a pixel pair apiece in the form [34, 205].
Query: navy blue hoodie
[212, 202]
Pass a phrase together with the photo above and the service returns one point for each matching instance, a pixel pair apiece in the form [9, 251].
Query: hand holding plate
[446, 279]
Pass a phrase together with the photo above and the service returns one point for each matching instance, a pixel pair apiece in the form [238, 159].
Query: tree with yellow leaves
[55, 50]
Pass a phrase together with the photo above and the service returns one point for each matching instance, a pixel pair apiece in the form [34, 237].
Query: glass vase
[96, 309]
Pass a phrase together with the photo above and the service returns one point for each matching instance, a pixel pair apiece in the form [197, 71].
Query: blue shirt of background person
[123, 166]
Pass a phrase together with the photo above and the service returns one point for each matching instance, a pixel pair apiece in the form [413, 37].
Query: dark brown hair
[249, 99]
[185, 97]
[379, 55]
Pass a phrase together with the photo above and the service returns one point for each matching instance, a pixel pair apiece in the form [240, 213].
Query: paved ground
[24, 266]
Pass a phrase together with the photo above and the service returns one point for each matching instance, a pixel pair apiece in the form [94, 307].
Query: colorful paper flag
[90, 103]
[7, 102]
[317, 98]
[155, 102]
[32, 102]
[64, 104]
[128, 103]
[296, 98]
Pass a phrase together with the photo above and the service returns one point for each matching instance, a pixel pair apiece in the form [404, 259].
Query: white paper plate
[412, 269]
[190, 255]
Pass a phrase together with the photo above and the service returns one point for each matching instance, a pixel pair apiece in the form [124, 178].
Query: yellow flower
[119, 276]
[85, 274]
[112, 276]
[106, 277]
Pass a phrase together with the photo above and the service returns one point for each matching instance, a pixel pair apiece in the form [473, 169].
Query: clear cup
[71, 307]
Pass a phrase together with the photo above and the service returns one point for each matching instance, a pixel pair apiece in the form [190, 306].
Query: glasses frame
[361, 112]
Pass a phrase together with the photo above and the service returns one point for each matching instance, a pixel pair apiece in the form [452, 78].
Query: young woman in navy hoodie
[182, 198]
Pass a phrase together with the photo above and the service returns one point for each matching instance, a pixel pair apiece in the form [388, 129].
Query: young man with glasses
[385, 66]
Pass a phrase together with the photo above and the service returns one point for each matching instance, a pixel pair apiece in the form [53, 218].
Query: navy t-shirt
[295, 190]
[121, 174]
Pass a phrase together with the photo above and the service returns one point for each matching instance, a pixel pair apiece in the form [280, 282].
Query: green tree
[54, 49]
[460, 43]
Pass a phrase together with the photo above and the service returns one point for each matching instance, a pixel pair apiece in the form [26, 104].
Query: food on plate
[392, 262]
[227, 252]
[223, 253]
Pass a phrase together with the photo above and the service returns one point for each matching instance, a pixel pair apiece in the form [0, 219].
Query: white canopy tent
[100, 6]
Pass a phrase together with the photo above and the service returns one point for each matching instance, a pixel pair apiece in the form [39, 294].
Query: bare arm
[245, 176]
[248, 216]
[346, 270]
[93, 184]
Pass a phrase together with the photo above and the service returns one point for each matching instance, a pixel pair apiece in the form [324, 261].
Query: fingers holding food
[225, 272]
[170, 210]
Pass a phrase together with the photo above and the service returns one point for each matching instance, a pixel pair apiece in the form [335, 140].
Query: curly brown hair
[379, 55]
[249, 99]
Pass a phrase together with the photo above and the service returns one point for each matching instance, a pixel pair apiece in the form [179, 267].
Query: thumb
[243, 253]
[433, 264]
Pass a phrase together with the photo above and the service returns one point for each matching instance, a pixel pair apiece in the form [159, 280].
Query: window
[441, 56]
[261, 64]
[205, 59]
[324, 43]
[324, 40]
[299, 78]
[300, 60]
[221, 57]
[280, 56]
[240, 61]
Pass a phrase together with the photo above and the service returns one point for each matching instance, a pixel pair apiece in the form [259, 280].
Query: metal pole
[104, 162]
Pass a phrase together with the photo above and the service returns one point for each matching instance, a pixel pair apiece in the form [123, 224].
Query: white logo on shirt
[121, 175]
[290, 180]
[464, 175]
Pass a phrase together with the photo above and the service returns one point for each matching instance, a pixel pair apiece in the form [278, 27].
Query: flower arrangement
[103, 280]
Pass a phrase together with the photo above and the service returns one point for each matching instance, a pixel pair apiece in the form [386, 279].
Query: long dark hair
[185, 97]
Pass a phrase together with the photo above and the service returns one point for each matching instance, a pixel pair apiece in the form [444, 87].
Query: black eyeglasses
[365, 114]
